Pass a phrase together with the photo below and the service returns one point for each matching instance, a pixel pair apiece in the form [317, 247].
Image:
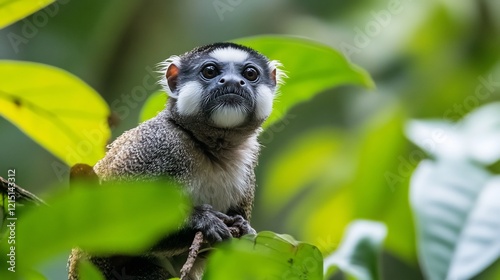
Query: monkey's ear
[171, 75]
[277, 74]
[169, 70]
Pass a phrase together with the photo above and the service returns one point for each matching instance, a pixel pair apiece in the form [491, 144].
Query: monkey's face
[225, 84]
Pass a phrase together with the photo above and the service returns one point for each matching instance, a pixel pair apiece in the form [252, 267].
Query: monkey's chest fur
[221, 182]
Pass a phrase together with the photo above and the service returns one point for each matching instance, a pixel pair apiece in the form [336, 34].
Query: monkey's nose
[229, 81]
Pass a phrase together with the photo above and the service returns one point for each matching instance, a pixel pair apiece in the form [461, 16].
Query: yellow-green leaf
[14, 10]
[155, 103]
[265, 256]
[56, 109]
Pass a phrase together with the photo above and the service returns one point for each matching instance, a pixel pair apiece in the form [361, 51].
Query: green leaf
[456, 212]
[358, 254]
[14, 10]
[154, 104]
[381, 179]
[122, 218]
[56, 109]
[311, 67]
[87, 271]
[265, 256]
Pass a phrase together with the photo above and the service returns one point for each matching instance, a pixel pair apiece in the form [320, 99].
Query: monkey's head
[222, 85]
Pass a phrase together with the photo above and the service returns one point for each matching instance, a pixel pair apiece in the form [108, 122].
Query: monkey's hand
[214, 225]
[241, 224]
[210, 222]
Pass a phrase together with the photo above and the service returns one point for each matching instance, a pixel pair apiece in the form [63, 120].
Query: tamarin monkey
[206, 140]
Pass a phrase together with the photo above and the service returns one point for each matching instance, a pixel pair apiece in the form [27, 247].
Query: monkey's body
[217, 171]
[209, 178]
[206, 139]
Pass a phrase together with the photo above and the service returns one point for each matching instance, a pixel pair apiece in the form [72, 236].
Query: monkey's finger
[223, 217]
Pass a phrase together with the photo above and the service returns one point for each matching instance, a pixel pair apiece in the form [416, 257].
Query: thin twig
[195, 248]
[193, 254]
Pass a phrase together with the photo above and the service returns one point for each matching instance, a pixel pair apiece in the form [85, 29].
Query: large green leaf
[358, 254]
[124, 218]
[14, 10]
[265, 256]
[311, 67]
[56, 109]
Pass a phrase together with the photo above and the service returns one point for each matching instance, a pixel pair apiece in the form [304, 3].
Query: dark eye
[209, 72]
[250, 73]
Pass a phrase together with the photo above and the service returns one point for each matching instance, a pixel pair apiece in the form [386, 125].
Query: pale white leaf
[437, 138]
[482, 134]
[443, 194]
[357, 254]
[479, 243]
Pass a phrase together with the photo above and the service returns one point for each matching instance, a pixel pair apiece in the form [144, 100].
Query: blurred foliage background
[338, 157]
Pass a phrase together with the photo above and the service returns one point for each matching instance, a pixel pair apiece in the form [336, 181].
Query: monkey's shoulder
[153, 149]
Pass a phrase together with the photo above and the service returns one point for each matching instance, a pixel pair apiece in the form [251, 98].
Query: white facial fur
[229, 55]
[228, 116]
[264, 104]
[189, 98]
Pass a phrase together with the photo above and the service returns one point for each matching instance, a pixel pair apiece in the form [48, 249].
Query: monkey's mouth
[230, 99]
[230, 106]
[231, 96]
